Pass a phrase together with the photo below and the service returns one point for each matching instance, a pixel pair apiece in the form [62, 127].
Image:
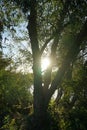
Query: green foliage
[9, 12]
[15, 94]
[72, 107]
[9, 124]
[53, 116]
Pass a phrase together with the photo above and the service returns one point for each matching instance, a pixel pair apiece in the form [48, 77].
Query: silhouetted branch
[45, 45]
[71, 55]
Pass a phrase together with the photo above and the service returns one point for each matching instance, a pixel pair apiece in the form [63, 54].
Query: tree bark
[39, 104]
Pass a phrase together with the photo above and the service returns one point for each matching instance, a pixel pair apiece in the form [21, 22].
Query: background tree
[15, 96]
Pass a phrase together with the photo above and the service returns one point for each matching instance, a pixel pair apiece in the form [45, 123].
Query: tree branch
[56, 35]
[59, 95]
[82, 55]
[60, 27]
[44, 46]
[71, 55]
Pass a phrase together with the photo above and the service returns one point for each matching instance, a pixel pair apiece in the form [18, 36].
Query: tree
[15, 96]
[49, 22]
[39, 96]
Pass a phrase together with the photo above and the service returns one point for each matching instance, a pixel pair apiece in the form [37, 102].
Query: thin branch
[59, 95]
[45, 45]
[82, 55]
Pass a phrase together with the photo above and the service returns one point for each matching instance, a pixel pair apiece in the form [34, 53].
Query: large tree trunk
[40, 106]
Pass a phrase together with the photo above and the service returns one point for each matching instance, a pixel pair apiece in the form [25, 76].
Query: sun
[45, 62]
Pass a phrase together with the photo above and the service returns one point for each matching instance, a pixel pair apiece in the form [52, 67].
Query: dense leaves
[57, 29]
[15, 96]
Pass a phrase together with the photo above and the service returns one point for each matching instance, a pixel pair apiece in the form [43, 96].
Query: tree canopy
[56, 29]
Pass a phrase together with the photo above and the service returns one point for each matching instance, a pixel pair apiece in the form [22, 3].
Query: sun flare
[45, 62]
